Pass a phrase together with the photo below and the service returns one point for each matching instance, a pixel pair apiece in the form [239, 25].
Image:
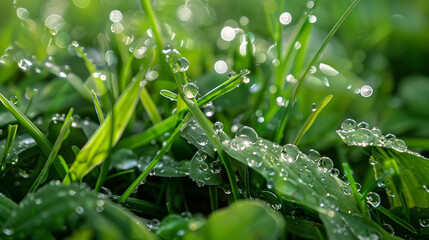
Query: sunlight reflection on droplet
[221, 66]
[115, 16]
[366, 91]
[328, 70]
[227, 33]
[285, 18]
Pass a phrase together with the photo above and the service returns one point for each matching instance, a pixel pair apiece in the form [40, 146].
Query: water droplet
[290, 153]
[247, 134]
[79, 210]
[297, 45]
[22, 13]
[307, 177]
[372, 160]
[184, 13]
[209, 109]
[221, 66]
[335, 172]
[329, 201]
[363, 125]
[424, 222]
[312, 19]
[227, 33]
[168, 94]
[8, 231]
[183, 64]
[152, 75]
[110, 58]
[285, 18]
[363, 137]
[399, 145]
[215, 166]
[190, 90]
[325, 164]
[390, 138]
[218, 127]
[366, 91]
[373, 199]
[115, 16]
[62, 75]
[328, 70]
[13, 100]
[388, 228]
[313, 155]
[199, 183]
[203, 166]
[25, 64]
[313, 69]
[348, 124]
[232, 74]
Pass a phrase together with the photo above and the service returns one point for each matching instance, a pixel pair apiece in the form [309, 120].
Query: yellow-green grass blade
[97, 148]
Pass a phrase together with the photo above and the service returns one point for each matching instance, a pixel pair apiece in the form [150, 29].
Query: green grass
[200, 120]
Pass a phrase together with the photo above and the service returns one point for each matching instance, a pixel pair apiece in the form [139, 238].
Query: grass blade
[11, 133]
[38, 136]
[156, 27]
[312, 118]
[98, 109]
[97, 148]
[356, 194]
[150, 106]
[397, 219]
[57, 145]
[282, 126]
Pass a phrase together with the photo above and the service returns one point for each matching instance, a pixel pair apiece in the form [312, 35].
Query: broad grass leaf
[6, 208]
[201, 169]
[56, 204]
[96, 149]
[174, 226]
[242, 220]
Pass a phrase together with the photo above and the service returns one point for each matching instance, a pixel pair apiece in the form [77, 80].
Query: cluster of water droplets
[359, 134]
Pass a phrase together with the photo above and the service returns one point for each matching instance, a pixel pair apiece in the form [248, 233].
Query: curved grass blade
[97, 106]
[97, 147]
[150, 106]
[6, 208]
[52, 156]
[38, 136]
[279, 134]
[310, 120]
[11, 133]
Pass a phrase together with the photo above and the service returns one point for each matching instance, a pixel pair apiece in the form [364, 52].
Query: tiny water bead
[247, 134]
[115, 16]
[190, 90]
[297, 45]
[290, 153]
[168, 94]
[328, 70]
[13, 99]
[366, 91]
[325, 164]
[285, 18]
[312, 19]
[373, 199]
[218, 127]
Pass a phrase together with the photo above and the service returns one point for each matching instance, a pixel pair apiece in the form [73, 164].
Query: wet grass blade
[37, 135]
[156, 27]
[150, 106]
[30, 101]
[98, 109]
[282, 126]
[11, 133]
[168, 124]
[356, 194]
[52, 156]
[310, 120]
[97, 148]
[397, 219]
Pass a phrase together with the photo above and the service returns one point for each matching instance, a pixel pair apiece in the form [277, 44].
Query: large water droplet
[247, 134]
[290, 153]
[328, 70]
[366, 91]
[168, 94]
[183, 64]
[227, 33]
[348, 124]
[325, 164]
[313, 155]
[373, 199]
[363, 137]
[190, 90]
[399, 145]
[285, 18]
[115, 16]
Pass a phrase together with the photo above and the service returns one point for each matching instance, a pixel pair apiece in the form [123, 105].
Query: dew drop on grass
[209, 109]
[24, 64]
[22, 13]
[363, 137]
[310, 4]
[388, 228]
[347, 190]
[307, 176]
[328, 70]
[373, 199]
[218, 127]
[285, 18]
[424, 222]
[203, 166]
[184, 13]
[13, 100]
[399, 145]
[290, 153]
[232, 74]
[329, 201]
[79, 210]
[190, 90]
[366, 91]
[227, 33]
[363, 125]
[325, 164]
[152, 75]
[168, 94]
[335, 172]
[297, 45]
[312, 19]
[313, 155]
[8, 231]
[115, 16]
[221, 66]
[348, 124]
[247, 134]
[216, 166]
[313, 69]
[183, 64]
